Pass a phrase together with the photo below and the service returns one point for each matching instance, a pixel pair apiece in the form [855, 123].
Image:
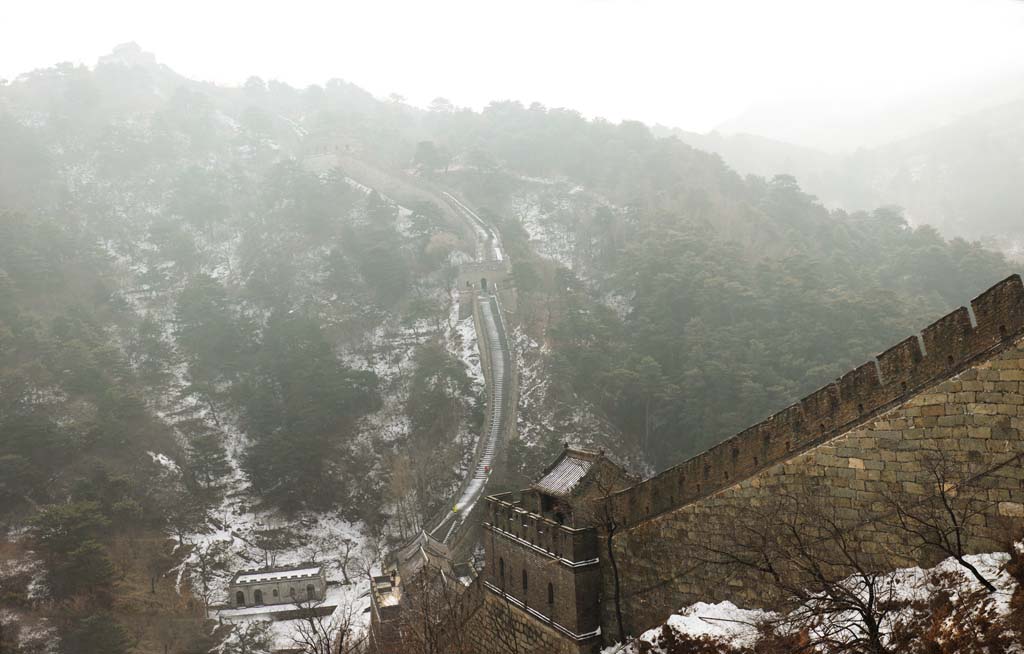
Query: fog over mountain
[488, 328]
[963, 177]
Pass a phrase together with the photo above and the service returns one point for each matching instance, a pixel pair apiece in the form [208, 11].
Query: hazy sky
[692, 64]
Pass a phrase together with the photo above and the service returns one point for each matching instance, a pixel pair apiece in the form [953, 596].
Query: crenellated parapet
[944, 348]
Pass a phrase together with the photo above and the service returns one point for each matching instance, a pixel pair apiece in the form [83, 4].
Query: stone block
[982, 409]
[913, 488]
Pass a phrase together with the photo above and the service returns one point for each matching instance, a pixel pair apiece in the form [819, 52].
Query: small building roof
[305, 571]
[566, 473]
[421, 551]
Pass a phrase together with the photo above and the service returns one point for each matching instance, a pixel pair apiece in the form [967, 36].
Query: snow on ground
[739, 627]
[228, 540]
[32, 633]
[723, 621]
[465, 347]
[165, 461]
[531, 418]
[549, 238]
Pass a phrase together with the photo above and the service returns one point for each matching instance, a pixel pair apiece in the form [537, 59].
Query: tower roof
[568, 472]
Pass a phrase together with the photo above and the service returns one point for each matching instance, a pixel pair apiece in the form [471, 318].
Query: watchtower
[484, 276]
[542, 551]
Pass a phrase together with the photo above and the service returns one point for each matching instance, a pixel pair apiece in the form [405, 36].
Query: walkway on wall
[496, 357]
[491, 327]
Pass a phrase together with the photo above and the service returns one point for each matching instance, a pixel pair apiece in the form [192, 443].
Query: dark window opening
[767, 438]
[276, 593]
[526, 585]
[501, 572]
[787, 446]
[735, 454]
[860, 408]
[903, 386]
[707, 472]
[821, 428]
[551, 594]
[1002, 331]
[240, 598]
[311, 592]
[546, 503]
[950, 360]
[756, 461]
[483, 284]
[257, 596]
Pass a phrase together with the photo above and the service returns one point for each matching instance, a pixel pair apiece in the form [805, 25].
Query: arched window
[311, 592]
[276, 593]
[291, 593]
[240, 598]
[257, 596]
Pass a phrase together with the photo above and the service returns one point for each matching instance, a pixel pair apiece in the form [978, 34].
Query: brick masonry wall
[972, 418]
[499, 627]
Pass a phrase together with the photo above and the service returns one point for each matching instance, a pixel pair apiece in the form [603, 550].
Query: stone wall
[278, 591]
[970, 416]
[496, 273]
[499, 626]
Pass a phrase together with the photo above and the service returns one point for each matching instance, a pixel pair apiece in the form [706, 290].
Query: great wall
[954, 393]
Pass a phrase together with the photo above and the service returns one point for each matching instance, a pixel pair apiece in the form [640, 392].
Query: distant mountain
[757, 155]
[963, 178]
[822, 122]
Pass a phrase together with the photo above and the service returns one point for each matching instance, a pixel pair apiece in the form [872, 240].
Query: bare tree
[940, 518]
[501, 625]
[272, 541]
[402, 493]
[249, 638]
[321, 629]
[210, 558]
[432, 614]
[599, 512]
[347, 545]
[820, 566]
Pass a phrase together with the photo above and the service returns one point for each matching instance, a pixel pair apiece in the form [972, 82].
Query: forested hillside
[203, 337]
[963, 177]
[699, 301]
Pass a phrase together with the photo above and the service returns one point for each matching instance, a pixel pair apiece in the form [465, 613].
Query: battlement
[559, 542]
[476, 267]
[941, 350]
[484, 275]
